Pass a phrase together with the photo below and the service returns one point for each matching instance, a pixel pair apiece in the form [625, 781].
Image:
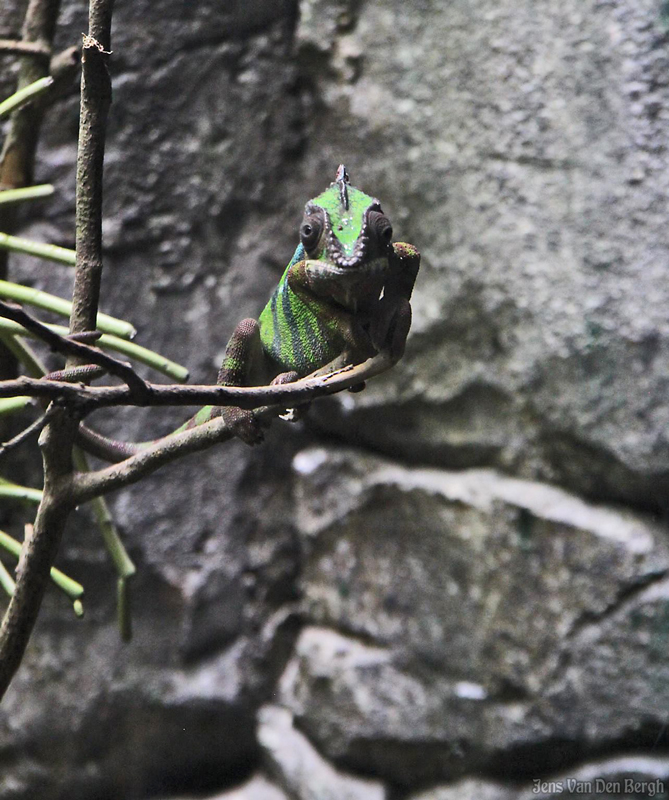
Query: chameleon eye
[381, 226]
[310, 233]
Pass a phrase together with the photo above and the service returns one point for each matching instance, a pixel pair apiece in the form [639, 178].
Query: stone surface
[531, 175]
[257, 788]
[627, 777]
[301, 769]
[467, 620]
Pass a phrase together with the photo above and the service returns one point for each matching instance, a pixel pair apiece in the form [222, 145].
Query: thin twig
[108, 342]
[13, 491]
[88, 485]
[125, 568]
[72, 588]
[13, 404]
[63, 68]
[78, 350]
[18, 48]
[32, 429]
[6, 581]
[23, 96]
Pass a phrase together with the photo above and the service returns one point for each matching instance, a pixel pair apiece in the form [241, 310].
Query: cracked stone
[301, 769]
[456, 617]
[628, 776]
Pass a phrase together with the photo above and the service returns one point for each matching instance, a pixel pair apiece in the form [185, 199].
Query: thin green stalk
[144, 356]
[49, 302]
[26, 193]
[24, 354]
[10, 405]
[122, 561]
[52, 252]
[123, 564]
[14, 491]
[24, 95]
[109, 342]
[72, 588]
[6, 581]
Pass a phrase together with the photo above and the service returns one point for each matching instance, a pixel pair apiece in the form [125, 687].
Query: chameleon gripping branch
[339, 315]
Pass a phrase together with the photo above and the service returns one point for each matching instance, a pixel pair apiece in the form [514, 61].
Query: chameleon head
[345, 234]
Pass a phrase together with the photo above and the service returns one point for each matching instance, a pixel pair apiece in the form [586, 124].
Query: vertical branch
[95, 101]
[57, 438]
[38, 554]
[18, 152]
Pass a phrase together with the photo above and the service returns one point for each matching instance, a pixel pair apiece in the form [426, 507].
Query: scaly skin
[343, 297]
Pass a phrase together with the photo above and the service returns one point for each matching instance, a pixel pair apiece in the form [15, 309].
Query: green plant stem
[72, 588]
[6, 580]
[24, 354]
[13, 491]
[109, 342]
[25, 95]
[26, 193]
[52, 252]
[123, 564]
[10, 405]
[50, 302]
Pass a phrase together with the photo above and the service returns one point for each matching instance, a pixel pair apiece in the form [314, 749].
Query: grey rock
[306, 774]
[524, 159]
[457, 617]
[257, 788]
[623, 776]
[467, 789]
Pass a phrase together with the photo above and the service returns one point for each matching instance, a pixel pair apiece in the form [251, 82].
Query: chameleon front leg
[391, 319]
[342, 336]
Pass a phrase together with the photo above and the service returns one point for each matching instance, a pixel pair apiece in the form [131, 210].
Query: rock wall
[455, 584]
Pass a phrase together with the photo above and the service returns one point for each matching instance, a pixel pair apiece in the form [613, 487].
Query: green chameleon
[343, 297]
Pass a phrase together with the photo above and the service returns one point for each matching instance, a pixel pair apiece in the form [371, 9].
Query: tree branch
[86, 399]
[69, 346]
[21, 48]
[57, 439]
[38, 556]
[31, 430]
[89, 485]
[95, 101]
[18, 152]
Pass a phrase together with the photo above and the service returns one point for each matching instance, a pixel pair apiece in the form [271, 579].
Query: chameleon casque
[343, 297]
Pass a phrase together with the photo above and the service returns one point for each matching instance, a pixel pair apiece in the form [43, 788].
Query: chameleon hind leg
[242, 366]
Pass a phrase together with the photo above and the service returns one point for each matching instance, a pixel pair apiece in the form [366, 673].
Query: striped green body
[296, 333]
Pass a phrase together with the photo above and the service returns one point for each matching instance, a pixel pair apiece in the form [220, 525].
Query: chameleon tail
[107, 449]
